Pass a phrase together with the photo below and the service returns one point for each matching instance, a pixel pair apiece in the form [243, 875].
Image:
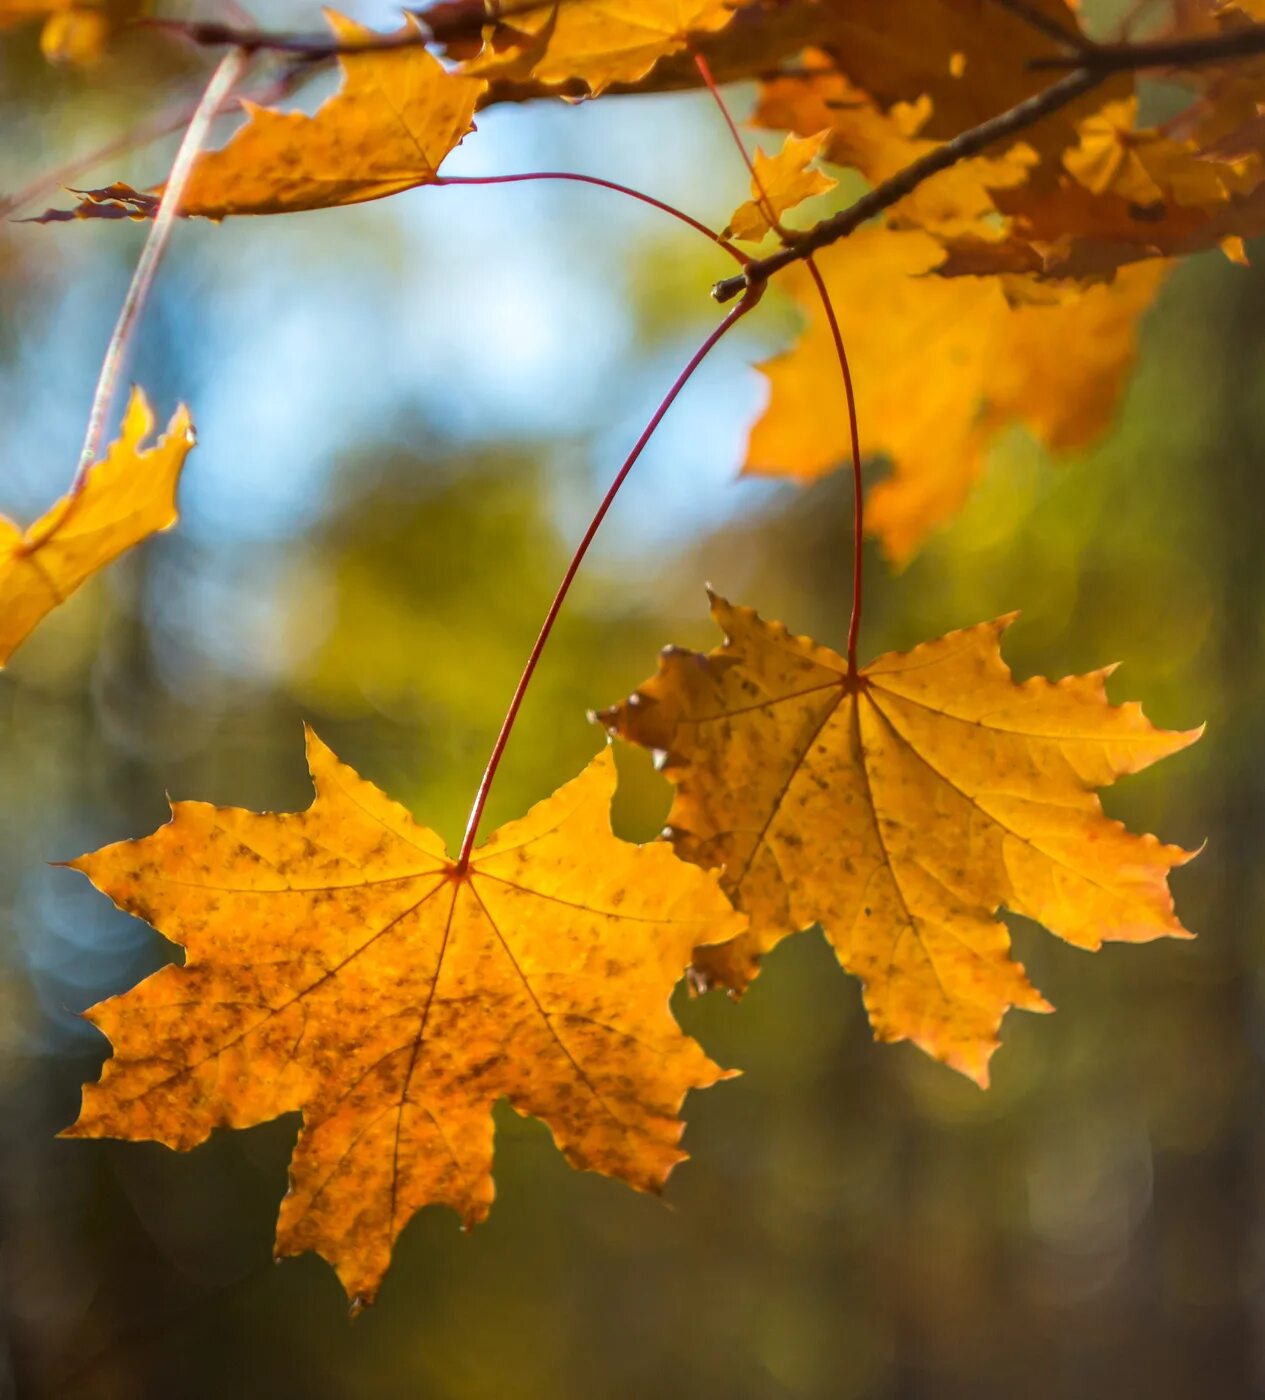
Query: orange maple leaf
[387, 129]
[596, 42]
[340, 963]
[1142, 165]
[129, 494]
[940, 366]
[901, 808]
[879, 143]
[1124, 194]
[778, 184]
[971, 60]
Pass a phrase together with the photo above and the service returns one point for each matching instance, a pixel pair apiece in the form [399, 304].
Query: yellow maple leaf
[338, 962]
[878, 143]
[779, 183]
[1123, 194]
[900, 809]
[596, 42]
[1142, 165]
[387, 129]
[939, 366]
[126, 496]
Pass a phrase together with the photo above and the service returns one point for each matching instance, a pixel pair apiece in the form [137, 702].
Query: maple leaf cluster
[339, 962]
[988, 266]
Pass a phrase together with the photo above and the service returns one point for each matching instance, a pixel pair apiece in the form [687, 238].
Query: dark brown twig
[440, 24]
[174, 118]
[1091, 64]
[905, 181]
[213, 34]
[1043, 24]
[455, 22]
[1247, 42]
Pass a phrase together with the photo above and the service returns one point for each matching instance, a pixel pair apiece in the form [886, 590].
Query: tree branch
[175, 118]
[883, 196]
[757, 42]
[1245, 42]
[223, 80]
[761, 30]
[1043, 24]
[1091, 64]
[213, 34]
[441, 23]
[764, 30]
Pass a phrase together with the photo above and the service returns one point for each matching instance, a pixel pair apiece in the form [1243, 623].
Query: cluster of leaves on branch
[339, 961]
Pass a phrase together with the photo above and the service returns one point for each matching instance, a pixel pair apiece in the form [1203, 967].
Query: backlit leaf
[597, 42]
[126, 496]
[940, 365]
[388, 128]
[338, 962]
[780, 183]
[901, 809]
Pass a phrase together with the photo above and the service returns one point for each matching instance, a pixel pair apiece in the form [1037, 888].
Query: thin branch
[688, 219]
[226, 74]
[669, 75]
[904, 182]
[749, 300]
[858, 485]
[1247, 42]
[1044, 24]
[213, 34]
[440, 24]
[705, 72]
[445, 23]
[174, 118]
[755, 30]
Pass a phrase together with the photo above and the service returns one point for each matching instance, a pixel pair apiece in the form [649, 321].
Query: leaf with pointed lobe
[778, 184]
[940, 365]
[595, 42]
[858, 133]
[387, 129]
[901, 808]
[128, 495]
[338, 962]
[1125, 193]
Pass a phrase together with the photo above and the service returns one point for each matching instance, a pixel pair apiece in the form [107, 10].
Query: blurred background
[406, 413]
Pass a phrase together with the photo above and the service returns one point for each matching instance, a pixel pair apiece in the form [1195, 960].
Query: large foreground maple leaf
[338, 962]
[900, 808]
